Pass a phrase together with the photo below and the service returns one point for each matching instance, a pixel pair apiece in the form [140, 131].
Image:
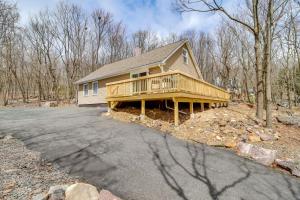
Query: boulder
[289, 120]
[107, 195]
[244, 148]
[296, 170]
[57, 192]
[261, 155]
[81, 191]
[290, 165]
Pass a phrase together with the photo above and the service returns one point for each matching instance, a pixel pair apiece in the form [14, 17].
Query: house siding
[154, 70]
[100, 97]
[175, 62]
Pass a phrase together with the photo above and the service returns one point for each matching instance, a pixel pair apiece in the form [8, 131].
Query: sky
[157, 15]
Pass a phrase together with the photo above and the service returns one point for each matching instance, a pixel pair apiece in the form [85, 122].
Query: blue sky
[157, 15]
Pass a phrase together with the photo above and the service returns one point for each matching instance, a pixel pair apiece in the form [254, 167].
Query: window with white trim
[85, 90]
[95, 88]
[185, 56]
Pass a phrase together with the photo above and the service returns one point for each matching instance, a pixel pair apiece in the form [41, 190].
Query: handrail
[162, 74]
[172, 81]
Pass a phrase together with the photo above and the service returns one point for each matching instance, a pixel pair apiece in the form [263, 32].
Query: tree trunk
[268, 65]
[258, 64]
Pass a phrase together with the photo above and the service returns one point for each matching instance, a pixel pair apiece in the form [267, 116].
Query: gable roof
[151, 58]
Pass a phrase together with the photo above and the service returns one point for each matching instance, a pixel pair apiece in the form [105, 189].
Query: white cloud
[157, 15]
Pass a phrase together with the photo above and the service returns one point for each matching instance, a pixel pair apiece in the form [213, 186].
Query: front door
[139, 85]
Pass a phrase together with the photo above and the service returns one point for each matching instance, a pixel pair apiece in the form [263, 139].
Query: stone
[290, 165]
[52, 189]
[50, 104]
[58, 194]
[135, 118]
[8, 137]
[2, 136]
[289, 120]
[244, 148]
[266, 137]
[252, 137]
[285, 164]
[40, 197]
[296, 170]
[10, 186]
[107, 195]
[81, 191]
[230, 143]
[222, 123]
[261, 155]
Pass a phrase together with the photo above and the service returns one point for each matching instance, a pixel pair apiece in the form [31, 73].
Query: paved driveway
[139, 163]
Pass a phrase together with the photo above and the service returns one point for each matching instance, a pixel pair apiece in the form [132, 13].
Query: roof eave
[119, 73]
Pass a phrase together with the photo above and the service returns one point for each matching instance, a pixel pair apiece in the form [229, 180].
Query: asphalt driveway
[139, 163]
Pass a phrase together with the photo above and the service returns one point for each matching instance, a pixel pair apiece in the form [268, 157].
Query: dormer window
[185, 56]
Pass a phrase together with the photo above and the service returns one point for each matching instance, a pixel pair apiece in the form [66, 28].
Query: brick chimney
[137, 51]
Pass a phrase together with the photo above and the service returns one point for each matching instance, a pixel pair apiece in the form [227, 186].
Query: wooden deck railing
[167, 82]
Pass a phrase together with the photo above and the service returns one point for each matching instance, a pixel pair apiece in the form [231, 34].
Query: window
[95, 88]
[85, 89]
[137, 75]
[185, 56]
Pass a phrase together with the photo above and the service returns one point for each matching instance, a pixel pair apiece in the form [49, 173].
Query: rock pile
[77, 191]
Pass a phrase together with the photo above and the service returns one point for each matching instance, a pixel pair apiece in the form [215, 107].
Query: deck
[175, 85]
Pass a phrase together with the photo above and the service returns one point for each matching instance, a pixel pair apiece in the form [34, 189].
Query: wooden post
[202, 107]
[192, 109]
[209, 105]
[109, 106]
[176, 113]
[143, 108]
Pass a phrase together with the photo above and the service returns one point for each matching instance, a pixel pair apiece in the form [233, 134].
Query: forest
[254, 52]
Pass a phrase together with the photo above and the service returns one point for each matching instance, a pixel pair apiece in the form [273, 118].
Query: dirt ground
[223, 127]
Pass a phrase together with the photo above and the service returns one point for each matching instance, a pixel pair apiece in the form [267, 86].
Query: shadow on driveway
[136, 162]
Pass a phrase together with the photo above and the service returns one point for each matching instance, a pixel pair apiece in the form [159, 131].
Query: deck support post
[176, 113]
[143, 109]
[192, 110]
[109, 106]
[209, 105]
[202, 106]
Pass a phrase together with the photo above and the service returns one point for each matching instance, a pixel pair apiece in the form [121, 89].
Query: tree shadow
[199, 170]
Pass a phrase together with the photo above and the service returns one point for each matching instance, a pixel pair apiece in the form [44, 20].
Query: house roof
[154, 57]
